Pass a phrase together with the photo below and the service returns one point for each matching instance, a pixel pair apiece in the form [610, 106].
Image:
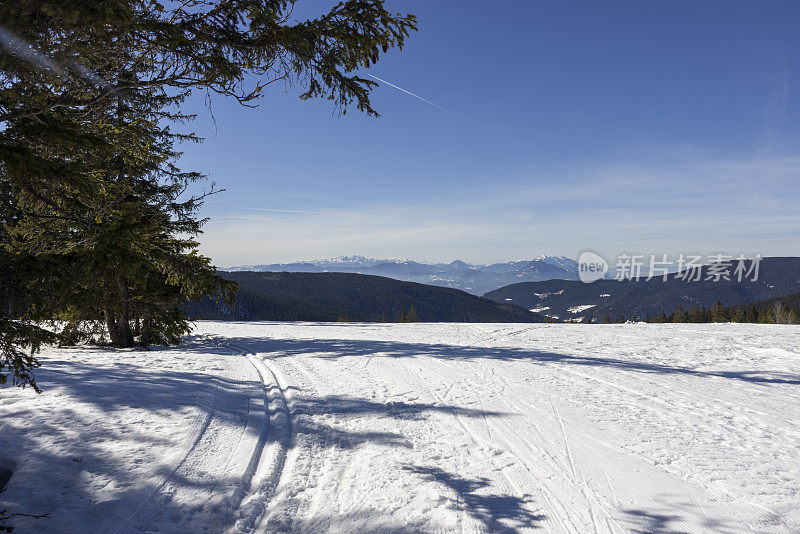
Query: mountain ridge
[284, 296]
[567, 299]
[476, 279]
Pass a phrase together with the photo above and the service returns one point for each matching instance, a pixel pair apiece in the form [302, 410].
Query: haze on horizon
[619, 127]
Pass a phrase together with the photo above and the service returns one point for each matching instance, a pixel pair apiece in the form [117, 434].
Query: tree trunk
[125, 336]
[119, 330]
[111, 326]
[121, 334]
[144, 341]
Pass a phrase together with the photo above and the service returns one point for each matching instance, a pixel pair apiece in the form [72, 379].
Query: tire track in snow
[688, 414]
[310, 463]
[684, 413]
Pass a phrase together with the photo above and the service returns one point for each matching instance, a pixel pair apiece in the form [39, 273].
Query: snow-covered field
[301, 427]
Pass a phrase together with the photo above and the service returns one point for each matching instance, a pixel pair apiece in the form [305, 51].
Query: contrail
[434, 104]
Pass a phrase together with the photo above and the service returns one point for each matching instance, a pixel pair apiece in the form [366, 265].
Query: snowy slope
[416, 428]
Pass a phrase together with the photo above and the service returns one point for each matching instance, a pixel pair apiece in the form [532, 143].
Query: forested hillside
[267, 296]
[567, 299]
[475, 279]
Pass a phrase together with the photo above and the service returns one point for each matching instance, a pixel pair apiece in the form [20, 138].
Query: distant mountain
[267, 296]
[565, 299]
[475, 279]
[334, 264]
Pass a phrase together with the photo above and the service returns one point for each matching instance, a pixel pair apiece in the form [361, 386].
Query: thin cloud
[287, 211]
[434, 104]
[668, 204]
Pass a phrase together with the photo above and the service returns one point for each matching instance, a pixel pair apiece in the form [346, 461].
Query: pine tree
[718, 313]
[680, 316]
[780, 314]
[87, 169]
[126, 243]
[20, 336]
[695, 315]
[737, 314]
[411, 317]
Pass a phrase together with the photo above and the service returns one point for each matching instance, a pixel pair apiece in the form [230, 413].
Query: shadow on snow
[338, 348]
[115, 389]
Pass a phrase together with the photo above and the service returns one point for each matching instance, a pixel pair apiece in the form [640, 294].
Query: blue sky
[636, 127]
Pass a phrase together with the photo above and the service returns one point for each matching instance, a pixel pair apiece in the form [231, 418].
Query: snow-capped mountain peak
[354, 259]
[476, 279]
[559, 261]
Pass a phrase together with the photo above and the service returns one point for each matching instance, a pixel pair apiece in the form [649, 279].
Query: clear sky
[638, 127]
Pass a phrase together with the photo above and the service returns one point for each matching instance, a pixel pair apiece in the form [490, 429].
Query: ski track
[473, 428]
[217, 478]
[518, 428]
[226, 461]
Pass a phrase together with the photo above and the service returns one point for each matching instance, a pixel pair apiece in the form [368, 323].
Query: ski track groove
[264, 471]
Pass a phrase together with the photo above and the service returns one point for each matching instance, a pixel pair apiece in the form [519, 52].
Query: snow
[307, 427]
[545, 295]
[578, 309]
[540, 309]
[559, 261]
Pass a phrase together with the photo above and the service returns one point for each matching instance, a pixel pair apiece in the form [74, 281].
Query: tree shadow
[661, 522]
[318, 409]
[338, 348]
[496, 512]
[118, 388]
[644, 522]
[64, 449]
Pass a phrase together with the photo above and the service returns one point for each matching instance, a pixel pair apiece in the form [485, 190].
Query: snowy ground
[414, 428]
